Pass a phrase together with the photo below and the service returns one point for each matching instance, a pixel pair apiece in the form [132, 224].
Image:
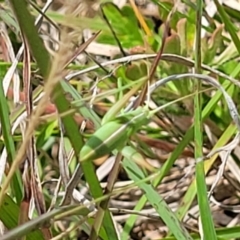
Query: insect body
[113, 135]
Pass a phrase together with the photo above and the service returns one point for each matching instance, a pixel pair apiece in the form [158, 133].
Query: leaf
[9, 214]
[125, 28]
[212, 45]
[157, 201]
[16, 184]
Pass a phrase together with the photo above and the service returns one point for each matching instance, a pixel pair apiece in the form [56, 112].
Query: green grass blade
[88, 167]
[9, 214]
[26, 23]
[42, 58]
[23, 230]
[228, 25]
[175, 154]
[86, 112]
[207, 224]
[16, 184]
[157, 201]
[41, 55]
[96, 191]
[190, 194]
[223, 234]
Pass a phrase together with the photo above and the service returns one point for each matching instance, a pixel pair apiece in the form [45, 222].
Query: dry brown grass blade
[71, 184]
[54, 76]
[24, 210]
[80, 49]
[36, 189]
[27, 172]
[165, 56]
[25, 204]
[8, 76]
[139, 101]
[163, 145]
[109, 188]
[3, 46]
[9, 56]
[62, 157]
[140, 18]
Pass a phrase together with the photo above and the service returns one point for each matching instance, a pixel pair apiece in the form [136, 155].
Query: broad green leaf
[9, 214]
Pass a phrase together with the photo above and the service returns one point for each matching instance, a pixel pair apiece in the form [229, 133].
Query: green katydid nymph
[115, 133]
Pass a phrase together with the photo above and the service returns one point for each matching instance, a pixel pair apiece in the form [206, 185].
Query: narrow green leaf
[28, 227]
[157, 202]
[170, 161]
[205, 212]
[40, 54]
[191, 193]
[9, 214]
[88, 167]
[223, 234]
[9, 143]
[26, 23]
[230, 27]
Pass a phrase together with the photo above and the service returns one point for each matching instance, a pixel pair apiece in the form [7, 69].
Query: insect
[113, 134]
